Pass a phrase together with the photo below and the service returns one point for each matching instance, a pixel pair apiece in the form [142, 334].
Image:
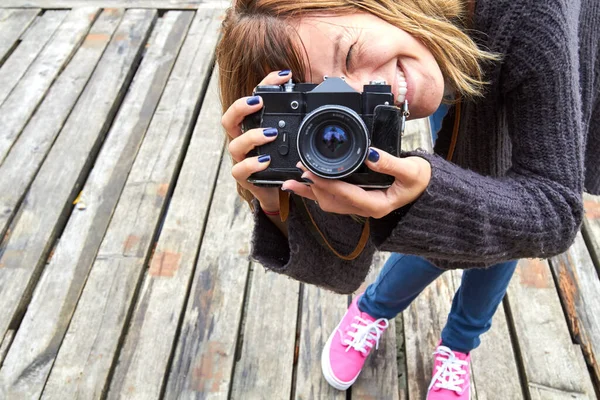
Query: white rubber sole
[326, 367]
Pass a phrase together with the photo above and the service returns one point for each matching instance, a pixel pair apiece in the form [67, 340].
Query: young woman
[514, 154]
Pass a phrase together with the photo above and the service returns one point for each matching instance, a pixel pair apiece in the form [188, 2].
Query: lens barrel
[333, 141]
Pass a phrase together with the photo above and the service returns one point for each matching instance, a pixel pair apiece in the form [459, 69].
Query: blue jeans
[403, 277]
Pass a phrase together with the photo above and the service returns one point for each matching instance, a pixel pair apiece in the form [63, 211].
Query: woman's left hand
[412, 177]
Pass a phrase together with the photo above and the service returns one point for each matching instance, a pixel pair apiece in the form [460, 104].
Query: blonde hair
[259, 37]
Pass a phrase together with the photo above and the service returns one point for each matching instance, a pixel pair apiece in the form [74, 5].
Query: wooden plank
[29, 92]
[551, 361]
[591, 227]
[423, 323]
[579, 289]
[322, 310]
[170, 4]
[49, 200]
[264, 370]
[28, 153]
[144, 361]
[379, 377]
[5, 344]
[496, 349]
[33, 42]
[33, 352]
[203, 360]
[90, 347]
[12, 24]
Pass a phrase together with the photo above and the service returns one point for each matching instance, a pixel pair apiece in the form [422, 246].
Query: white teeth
[402, 87]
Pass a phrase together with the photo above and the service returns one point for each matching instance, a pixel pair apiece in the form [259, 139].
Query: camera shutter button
[283, 147]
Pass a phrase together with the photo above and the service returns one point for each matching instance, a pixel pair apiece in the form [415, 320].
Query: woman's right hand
[243, 142]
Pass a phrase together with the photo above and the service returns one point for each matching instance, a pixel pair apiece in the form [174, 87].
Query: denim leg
[474, 305]
[400, 281]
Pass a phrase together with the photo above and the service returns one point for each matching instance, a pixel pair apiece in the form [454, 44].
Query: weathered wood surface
[144, 360]
[379, 377]
[321, 311]
[32, 44]
[12, 24]
[49, 200]
[86, 358]
[33, 351]
[25, 97]
[591, 227]
[554, 367]
[23, 162]
[496, 349]
[5, 344]
[579, 288]
[204, 358]
[168, 4]
[264, 369]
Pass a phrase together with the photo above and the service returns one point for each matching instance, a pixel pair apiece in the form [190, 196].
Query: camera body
[329, 128]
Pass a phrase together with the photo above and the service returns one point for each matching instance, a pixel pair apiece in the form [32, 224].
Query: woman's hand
[412, 177]
[243, 142]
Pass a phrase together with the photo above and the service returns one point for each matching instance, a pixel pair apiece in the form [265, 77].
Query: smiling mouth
[402, 85]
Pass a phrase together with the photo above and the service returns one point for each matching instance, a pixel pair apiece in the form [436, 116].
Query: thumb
[407, 170]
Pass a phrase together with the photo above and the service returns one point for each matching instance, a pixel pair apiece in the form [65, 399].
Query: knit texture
[524, 155]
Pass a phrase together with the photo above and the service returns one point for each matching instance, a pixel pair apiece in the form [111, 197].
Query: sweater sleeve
[302, 257]
[466, 220]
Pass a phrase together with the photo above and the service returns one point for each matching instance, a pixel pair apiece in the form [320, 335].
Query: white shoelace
[365, 333]
[448, 375]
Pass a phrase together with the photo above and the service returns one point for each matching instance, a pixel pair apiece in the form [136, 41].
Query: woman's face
[362, 47]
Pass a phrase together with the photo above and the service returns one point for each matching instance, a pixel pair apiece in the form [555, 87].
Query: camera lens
[332, 141]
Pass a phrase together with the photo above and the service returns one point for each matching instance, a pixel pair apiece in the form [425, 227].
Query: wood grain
[23, 162]
[33, 352]
[144, 361]
[206, 346]
[264, 370]
[579, 289]
[322, 310]
[90, 348]
[168, 4]
[29, 92]
[552, 363]
[49, 200]
[12, 24]
[32, 44]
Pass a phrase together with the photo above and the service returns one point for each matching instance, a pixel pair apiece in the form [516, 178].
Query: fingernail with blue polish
[252, 101]
[290, 191]
[264, 158]
[270, 132]
[307, 181]
[284, 72]
[373, 155]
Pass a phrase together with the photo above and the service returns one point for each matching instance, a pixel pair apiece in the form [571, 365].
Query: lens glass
[332, 142]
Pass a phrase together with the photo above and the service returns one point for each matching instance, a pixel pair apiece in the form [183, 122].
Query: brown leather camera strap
[301, 207]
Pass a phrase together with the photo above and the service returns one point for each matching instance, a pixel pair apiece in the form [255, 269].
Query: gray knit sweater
[525, 154]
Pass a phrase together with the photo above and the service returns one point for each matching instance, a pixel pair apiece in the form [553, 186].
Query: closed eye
[349, 57]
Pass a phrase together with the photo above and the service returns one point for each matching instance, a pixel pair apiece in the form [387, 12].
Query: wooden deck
[124, 267]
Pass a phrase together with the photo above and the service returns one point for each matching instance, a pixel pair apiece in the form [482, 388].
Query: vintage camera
[329, 127]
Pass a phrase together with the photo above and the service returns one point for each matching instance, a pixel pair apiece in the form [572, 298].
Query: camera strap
[301, 207]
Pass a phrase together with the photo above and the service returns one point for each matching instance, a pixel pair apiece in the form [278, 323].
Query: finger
[240, 146]
[342, 197]
[242, 170]
[277, 78]
[299, 188]
[235, 114]
[406, 170]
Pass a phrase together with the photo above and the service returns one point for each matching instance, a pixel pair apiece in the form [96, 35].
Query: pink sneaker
[451, 375]
[349, 345]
